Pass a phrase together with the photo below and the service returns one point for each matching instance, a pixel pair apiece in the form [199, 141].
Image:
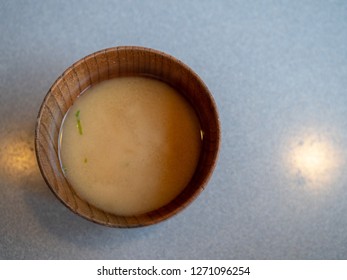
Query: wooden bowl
[107, 64]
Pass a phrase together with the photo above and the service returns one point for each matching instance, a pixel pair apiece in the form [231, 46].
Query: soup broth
[130, 145]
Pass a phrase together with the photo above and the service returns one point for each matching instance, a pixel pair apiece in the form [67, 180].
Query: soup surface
[129, 145]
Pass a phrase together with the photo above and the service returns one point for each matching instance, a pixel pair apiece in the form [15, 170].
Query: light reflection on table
[313, 158]
[17, 158]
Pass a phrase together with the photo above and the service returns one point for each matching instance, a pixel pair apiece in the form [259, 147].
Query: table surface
[277, 70]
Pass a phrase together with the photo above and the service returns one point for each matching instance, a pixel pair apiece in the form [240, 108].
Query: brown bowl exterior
[107, 64]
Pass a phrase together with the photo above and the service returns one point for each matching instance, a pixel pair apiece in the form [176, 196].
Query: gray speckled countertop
[277, 70]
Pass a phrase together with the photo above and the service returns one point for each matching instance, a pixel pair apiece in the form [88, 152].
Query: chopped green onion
[79, 125]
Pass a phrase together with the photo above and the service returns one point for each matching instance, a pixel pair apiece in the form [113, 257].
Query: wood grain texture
[112, 63]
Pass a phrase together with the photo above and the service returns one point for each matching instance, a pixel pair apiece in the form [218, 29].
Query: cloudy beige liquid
[135, 148]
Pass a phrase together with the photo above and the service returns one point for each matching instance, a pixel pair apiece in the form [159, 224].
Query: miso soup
[129, 145]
